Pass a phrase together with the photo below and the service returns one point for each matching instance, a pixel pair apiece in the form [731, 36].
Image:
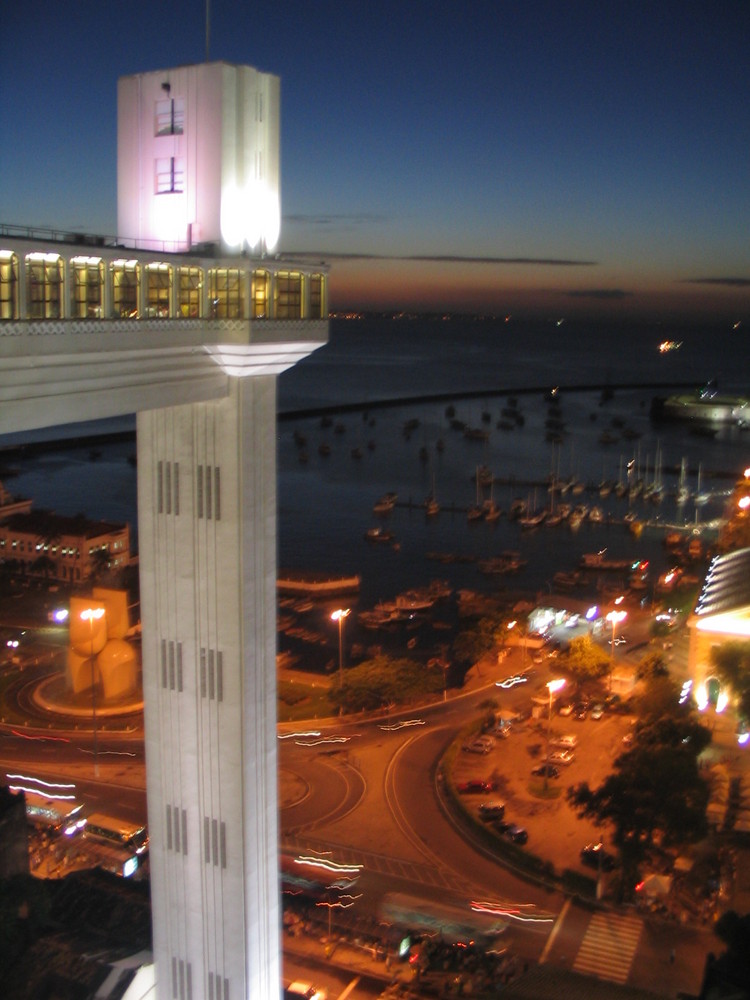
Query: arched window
[317, 298]
[8, 285]
[44, 285]
[125, 278]
[225, 293]
[260, 294]
[288, 295]
[190, 292]
[87, 274]
[158, 288]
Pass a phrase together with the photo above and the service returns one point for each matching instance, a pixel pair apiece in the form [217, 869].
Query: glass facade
[226, 293]
[190, 292]
[316, 296]
[44, 285]
[288, 295]
[87, 294]
[125, 278]
[261, 284]
[158, 289]
[8, 285]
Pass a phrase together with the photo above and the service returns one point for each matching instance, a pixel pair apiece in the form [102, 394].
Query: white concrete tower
[192, 341]
[198, 158]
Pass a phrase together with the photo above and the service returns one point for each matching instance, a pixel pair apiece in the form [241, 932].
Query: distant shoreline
[24, 449]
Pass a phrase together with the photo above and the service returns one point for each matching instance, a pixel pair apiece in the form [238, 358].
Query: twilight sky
[480, 155]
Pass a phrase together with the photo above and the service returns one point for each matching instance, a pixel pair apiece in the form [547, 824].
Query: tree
[652, 665]
[655, 786]
[585, 660]
[384, 681]
[471, 644]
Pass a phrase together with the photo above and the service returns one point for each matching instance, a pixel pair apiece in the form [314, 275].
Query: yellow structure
[99, 655]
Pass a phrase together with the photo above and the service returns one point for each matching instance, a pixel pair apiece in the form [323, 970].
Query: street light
[615, 617]
[338, 616]
[552, 686]
[91, 615]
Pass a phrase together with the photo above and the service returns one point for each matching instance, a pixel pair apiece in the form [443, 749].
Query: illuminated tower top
[198, 158]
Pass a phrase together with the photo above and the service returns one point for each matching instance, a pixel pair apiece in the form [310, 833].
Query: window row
[92, 288]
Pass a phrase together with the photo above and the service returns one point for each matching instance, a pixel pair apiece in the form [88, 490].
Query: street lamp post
[552, 686]
[338, 616]
[91, 615]
[615, 617]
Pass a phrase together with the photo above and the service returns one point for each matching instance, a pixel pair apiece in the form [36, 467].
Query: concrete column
[207, 541]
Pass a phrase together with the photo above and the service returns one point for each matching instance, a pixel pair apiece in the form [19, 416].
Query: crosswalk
[608, 946]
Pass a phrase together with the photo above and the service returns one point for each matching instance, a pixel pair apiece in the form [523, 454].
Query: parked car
[597, 712]
[474, 785]
[580, 714]
[567, 742]
[596, 856]
[492, 810]
[545, 771]
[558, 757]
[516, 834]
[565, 710]
[477, 746]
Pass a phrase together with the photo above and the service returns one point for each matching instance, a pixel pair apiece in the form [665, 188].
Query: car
[474, 785]
[580, 714]
[503, 730]
[304, 991]
[597, 712]
[558, 757]
[565, 710]
[627, 740]
[492, 810]
[516, 834]
[596, 856]
[620, 640]
[567, 742]
[545, 771]
[477, 746]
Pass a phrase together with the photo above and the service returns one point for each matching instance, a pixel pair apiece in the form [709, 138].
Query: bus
[120, 833]
[451, 923]
[54, 815]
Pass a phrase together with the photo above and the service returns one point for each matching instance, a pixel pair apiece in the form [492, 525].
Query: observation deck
[92, 327]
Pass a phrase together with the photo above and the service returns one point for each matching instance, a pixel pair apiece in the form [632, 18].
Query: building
[14, 834]
[187, 321]
[721, 614]
[68, 549]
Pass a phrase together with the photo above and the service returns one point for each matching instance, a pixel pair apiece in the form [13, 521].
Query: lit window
[88, 287]
[8, 285]
[44, 285]
[225, 292]
[288, 295]
[259, 294]
[125, 277]
[170, 116]
[190, 287]
[170, 175]
[158, 285]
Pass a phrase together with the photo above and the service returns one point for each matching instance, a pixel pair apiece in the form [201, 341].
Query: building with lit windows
[68, 549]
[186, 319]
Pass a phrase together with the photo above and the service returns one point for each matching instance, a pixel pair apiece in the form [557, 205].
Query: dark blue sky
[593, 155]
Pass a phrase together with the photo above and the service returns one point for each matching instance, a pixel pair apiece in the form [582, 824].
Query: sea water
[410, 447]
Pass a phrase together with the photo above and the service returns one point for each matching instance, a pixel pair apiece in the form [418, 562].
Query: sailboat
[476, 511]
[683, 491]
[701, 496]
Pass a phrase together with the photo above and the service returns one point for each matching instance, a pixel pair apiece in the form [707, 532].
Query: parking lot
[555, 832]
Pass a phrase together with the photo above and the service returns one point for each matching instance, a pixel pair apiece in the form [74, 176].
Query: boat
[706, 406]
[600, 560]
[378, 534]
[313, 585]
[431, 506]
[491, 510]
[596, 514]
[683, 491]
[385, 504]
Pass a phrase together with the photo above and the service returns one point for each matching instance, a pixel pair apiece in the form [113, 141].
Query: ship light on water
[669, 345]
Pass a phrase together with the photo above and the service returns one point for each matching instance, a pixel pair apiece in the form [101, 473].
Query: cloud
[728, 282]
[334, 219]
[442, 258]
[599, 293]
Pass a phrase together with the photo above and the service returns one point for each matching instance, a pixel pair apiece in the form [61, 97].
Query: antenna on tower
[208, 27]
